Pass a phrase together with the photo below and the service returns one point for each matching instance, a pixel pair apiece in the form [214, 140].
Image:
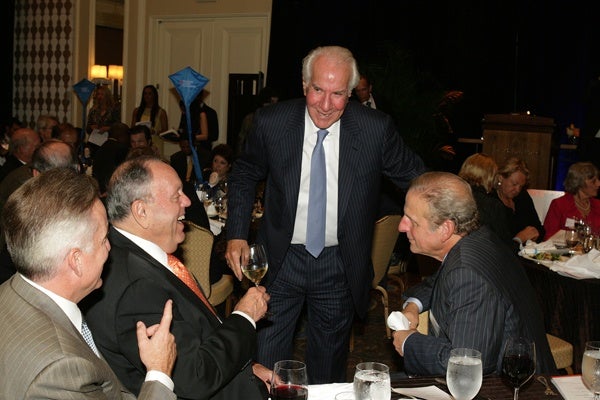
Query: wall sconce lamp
[115, 73]
[98, 74]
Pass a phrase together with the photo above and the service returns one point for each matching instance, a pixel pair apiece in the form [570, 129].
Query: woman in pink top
[579, 201]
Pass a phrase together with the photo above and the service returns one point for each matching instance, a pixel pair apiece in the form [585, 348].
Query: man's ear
[75, 262]
[447, 229]
[139, 213]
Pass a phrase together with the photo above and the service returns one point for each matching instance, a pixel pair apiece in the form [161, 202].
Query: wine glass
[518, 362]
[590, 368]
[220, 203]
[257, 265]
[372, 381]
[289, 381]
[571, 238]
[464, 373]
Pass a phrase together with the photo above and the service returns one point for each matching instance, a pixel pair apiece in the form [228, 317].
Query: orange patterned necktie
[186, 277]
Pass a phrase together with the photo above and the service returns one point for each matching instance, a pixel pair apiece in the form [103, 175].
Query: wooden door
[214, 47]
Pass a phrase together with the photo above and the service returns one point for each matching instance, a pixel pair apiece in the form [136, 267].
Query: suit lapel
[161, 272]
[292, 144]
[349, 151]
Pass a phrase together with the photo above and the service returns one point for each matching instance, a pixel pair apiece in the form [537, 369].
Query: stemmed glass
[372, 381]
[464, 374]
[220, 203]
[571, 238]
[289, 381]
[590, 368]
[257, 265]
[518, 362]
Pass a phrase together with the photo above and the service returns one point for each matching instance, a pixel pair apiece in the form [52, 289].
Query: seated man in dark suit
[145, 205]
[479, 297]
[23, 143]
[56, 228]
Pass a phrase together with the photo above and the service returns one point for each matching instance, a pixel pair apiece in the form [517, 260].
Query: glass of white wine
[590, 368]
[257, 265]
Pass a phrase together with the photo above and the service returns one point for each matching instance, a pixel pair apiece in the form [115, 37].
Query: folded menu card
[571, 387]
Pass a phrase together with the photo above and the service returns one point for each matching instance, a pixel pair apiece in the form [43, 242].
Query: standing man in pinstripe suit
[479, 297]
[333, 283]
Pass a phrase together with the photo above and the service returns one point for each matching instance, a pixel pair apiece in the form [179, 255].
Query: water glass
[372, 381]
[590, 368]
[464, 373]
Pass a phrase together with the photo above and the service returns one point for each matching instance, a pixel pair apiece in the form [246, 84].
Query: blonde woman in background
[511, 189]
[479, 170]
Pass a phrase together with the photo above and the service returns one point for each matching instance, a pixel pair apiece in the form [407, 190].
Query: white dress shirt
[331, 146]
[159, 255]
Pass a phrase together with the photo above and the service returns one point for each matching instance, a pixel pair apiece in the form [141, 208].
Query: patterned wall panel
[43, 59]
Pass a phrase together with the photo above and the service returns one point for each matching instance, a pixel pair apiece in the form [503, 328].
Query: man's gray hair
[341, 54]
[449, 197]
[131, 181]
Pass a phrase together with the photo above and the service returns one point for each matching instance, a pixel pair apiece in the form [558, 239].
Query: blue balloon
[84, 89]
[189, 84]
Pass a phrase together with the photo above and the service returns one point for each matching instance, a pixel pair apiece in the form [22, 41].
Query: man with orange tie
[146, 204]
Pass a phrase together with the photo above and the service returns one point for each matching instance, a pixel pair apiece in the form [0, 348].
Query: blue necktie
[317, 199]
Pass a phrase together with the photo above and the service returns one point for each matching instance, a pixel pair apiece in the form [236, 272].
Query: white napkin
[211, 211]
[584, 266]
[425, 392]
[216, 226]
[327, 391]
[532, 248]
[398, 321]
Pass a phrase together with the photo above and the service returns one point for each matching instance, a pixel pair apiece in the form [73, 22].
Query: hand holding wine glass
[289, 381]
[257, 265]
[464, 374]
[590, 368]
[518, 362]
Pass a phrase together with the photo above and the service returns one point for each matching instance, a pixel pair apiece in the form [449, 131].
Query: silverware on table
[548, 391]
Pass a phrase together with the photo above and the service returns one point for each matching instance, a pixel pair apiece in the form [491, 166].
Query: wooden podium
[527, 137]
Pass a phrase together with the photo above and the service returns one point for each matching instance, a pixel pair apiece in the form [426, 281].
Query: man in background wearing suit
[480, 295]
[145, 205]
[56, 227]
[331, 271]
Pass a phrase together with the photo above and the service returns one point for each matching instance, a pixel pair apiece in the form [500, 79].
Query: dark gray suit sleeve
[470, 316]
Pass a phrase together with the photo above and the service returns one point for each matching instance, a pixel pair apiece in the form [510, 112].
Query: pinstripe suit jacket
[369, 147]
[43, 356]
[480, 296]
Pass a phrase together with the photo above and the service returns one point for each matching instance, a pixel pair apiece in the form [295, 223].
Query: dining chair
[384, 240]
[562, 352]
[542, 199]
[385, 235]
[196, 251]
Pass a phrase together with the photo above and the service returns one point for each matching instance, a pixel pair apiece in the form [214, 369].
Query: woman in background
[216, 176]
[150, 111]
[579, 201]
[511, 183]
[104, 111]
[479, 170]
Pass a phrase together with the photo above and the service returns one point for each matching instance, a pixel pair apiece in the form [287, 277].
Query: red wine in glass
[289, 392]
[518, 363]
